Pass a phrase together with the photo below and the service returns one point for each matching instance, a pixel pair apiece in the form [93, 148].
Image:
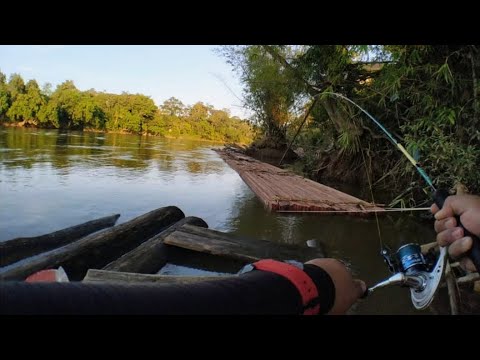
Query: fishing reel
[422, 273]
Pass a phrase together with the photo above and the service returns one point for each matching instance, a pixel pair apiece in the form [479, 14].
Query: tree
[16, 86]
[87, 113]
[3, 78]
[270, 88]
[47, 89]
[173, 107]
[5, 98]
[27, 106]
[429, 96]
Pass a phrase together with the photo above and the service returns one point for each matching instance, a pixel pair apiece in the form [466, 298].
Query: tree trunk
[20, 248]
[104, 276]
[150, 256]
[96, 250]
[243, 249]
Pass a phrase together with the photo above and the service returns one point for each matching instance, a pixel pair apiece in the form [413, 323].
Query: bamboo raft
[283, 191]
[137, 250]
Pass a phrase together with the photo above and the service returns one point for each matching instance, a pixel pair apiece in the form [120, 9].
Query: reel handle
[439, 197]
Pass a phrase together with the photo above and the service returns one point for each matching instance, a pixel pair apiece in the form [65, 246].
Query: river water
[51, 179]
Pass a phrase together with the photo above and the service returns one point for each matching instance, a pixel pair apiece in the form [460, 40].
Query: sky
[191, 73]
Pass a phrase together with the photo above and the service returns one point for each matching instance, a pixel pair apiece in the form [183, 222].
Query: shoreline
[193, 138]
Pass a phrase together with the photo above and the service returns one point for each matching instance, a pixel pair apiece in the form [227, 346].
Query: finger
[449, 236]
[443, 213]
[434, 208]
[360, 287]
[467, 264]
[453, 205]
[460, 247]
[444, 224]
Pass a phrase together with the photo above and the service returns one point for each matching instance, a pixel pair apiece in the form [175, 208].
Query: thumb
[360, 287]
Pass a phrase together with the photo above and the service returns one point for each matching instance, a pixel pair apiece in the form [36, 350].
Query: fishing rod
[422, 273]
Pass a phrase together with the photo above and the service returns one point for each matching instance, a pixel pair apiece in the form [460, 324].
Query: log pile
[137, 247]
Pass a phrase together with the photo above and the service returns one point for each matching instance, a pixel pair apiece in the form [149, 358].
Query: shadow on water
[51, 179]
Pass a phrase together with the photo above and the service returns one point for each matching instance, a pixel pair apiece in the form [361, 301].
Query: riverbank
[29, 125]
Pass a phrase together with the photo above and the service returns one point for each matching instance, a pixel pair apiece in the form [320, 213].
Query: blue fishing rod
[410, 267]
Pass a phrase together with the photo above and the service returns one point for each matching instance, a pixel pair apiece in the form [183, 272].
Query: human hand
[448, 231]
[347, 290]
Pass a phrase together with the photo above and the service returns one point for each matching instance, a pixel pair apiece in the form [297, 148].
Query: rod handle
[474, 253]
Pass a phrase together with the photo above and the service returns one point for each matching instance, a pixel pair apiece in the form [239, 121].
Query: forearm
[257, 292]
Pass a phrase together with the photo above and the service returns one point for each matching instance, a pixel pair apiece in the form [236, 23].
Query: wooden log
[102, 276]
[21, 248]
[96, 250]
[217, 243]
[151, 256]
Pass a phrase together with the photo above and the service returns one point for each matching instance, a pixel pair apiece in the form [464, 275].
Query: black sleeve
[256, 292]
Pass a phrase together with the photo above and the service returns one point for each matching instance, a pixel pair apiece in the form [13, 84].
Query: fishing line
[373, 198]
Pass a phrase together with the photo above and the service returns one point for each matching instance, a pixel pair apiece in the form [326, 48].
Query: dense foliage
[69, 108]
[427, 96]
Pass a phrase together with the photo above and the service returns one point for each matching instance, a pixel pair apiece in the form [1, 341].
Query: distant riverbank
[181, 137]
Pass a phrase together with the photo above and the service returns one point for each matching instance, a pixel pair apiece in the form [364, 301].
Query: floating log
[96, 276]
[218, 243]
[281, 190]
[96, 250]
[20, 248]
[151, 256]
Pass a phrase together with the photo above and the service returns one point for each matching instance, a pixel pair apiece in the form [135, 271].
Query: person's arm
[448, 231]
[256, 292]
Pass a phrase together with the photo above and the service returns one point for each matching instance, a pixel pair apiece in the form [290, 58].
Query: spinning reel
[422, 273]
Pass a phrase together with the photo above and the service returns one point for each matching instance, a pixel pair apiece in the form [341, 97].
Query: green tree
[270, 88]
[131, 113]
[429, 96]
[173, 107]
[5, 99]
[28, 105]
[47, 89]
[16, 86]
[88, 113]
[69, 108]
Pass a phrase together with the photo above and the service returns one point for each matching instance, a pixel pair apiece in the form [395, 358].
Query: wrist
[324, 284]
[313, 284]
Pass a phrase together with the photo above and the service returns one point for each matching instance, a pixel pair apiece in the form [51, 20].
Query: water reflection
[65, 149]
[51, 179]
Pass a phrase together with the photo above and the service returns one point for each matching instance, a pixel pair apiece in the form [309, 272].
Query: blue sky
[189, 73]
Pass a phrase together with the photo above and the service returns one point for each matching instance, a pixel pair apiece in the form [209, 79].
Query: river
[51, 179]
